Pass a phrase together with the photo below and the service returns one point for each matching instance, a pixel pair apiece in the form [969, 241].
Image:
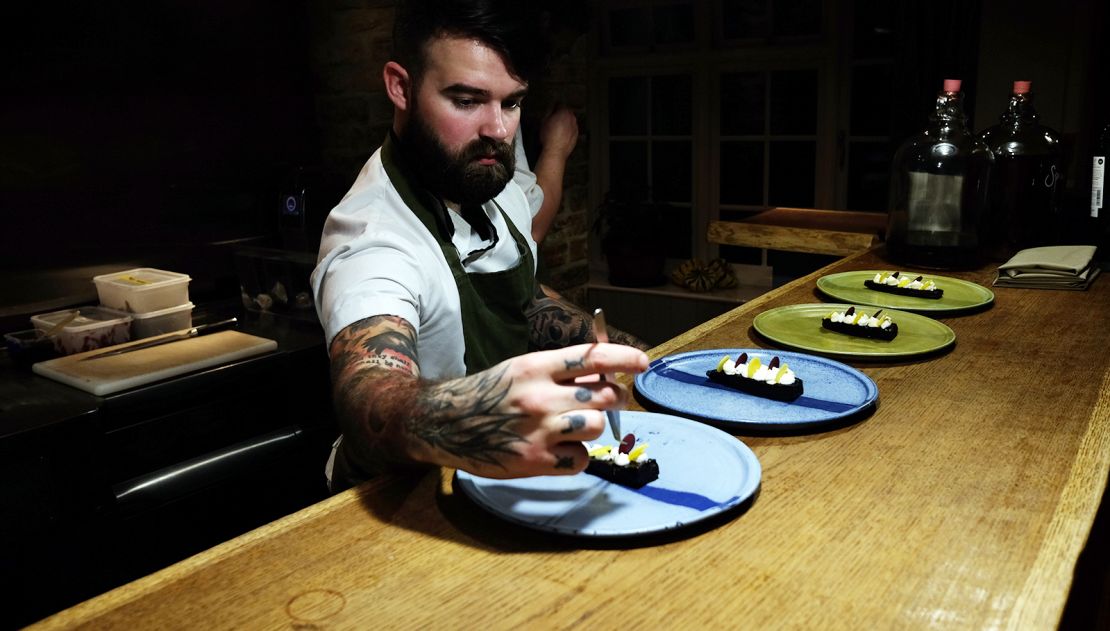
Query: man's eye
[465, 103]
[511, 105]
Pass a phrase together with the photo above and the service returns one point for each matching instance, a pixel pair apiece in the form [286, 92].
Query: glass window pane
[742, 173]
[628, 99]
[869, 175]
[674, 24]
[628, 163]
[797, 18]
[678, 227]
[671, 105]
[629, 27]
[873, 35]
[742, 103]
[744, 19]
[794, 102]
[792, 170]
[671, 171]
[872, 109]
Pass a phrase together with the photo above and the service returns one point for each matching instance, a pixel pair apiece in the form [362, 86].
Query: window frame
[706, 61]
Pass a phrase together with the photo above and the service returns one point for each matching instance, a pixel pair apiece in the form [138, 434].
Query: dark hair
[509, 27]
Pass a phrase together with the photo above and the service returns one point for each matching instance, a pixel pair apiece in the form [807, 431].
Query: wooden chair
[833, 232]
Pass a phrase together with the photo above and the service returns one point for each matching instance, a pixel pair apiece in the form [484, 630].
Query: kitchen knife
[202, 329]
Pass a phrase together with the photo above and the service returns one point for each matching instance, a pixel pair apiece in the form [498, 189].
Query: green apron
[493, 304]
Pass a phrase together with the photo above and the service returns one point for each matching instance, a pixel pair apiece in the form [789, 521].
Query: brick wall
[351, 41]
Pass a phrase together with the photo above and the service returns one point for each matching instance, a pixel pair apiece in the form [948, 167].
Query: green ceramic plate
[959, 295]
[799, 326]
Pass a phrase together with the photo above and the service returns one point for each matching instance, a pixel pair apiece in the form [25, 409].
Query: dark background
[129, 124]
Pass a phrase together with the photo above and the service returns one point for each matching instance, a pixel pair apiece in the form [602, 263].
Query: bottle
[1023, 199]
[1099, 213]
[938, 190]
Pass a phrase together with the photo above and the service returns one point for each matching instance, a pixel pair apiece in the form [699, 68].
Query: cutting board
[106, 375]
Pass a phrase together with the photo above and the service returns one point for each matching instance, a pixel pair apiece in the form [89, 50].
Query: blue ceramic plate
[702, 472]
[832, 390]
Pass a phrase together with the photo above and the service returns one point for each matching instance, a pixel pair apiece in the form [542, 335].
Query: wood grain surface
[962, 502]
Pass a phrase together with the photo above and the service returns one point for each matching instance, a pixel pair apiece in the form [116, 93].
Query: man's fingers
[584, 359]
[575, 425]
[568, 458]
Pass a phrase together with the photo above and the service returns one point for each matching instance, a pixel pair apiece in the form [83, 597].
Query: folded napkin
[1050, 267]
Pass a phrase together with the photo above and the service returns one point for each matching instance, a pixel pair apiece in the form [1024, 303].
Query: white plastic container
[90, 328]
[158, 322]
[142, 290]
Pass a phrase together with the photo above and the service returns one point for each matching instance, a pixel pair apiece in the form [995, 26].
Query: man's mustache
[483, 148]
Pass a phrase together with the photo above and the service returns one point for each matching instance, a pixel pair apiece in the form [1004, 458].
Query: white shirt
[377, 258]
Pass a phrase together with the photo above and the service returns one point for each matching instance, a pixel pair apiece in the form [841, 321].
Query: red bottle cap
[952, 85]
[1022, 87]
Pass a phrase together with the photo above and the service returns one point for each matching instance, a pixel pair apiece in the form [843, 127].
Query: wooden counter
[963, 502]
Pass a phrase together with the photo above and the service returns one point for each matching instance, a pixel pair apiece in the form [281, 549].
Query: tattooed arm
[556, 323]
[524, 416]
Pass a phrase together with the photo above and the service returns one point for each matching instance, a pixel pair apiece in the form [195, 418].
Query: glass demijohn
[938, 190]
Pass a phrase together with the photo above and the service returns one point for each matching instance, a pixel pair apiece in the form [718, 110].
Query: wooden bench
[833, 232]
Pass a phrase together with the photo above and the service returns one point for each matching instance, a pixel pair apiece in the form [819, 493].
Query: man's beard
[457, 177]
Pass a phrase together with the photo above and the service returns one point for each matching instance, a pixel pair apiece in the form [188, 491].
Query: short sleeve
[524, 177]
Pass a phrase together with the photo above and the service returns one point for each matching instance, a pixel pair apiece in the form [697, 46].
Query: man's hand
[558, 136]
[559, 133]
[525, 416]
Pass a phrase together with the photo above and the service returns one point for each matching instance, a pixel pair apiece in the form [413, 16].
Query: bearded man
[443, 349]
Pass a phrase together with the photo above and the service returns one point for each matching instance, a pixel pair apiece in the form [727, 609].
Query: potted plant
[631, 230]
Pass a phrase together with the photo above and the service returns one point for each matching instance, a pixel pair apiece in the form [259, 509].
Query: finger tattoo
[574, 422]
[564, 462]
[583, 395]
[574, 363]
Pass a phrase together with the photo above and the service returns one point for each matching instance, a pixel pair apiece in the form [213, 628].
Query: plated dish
[832, 392]
[958, 295]
[702, 472]
[799, 327]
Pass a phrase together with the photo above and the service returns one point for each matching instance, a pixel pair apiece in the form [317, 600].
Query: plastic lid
[1022, 87]
[952, 85]
[85, 318]
[142, 278]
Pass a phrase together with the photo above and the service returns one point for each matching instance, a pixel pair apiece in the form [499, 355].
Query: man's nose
[495, 123]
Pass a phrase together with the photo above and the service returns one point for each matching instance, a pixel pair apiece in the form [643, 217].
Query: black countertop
[97, 491]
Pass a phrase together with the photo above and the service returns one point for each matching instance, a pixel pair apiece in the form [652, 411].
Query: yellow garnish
[781, 373]
[721, 364]
[855, 318]
[753, 365]
[599, 451]
[637, 450]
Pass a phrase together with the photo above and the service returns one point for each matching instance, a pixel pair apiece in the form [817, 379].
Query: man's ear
[398, 85]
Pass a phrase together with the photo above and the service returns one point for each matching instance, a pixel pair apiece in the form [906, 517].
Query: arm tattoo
[461, 418]
[388, 415]
[557, 324]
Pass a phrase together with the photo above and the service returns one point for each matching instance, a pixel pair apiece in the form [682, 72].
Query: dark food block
[872, 332]
[635, 474]
[934, 294]
[776, 391]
